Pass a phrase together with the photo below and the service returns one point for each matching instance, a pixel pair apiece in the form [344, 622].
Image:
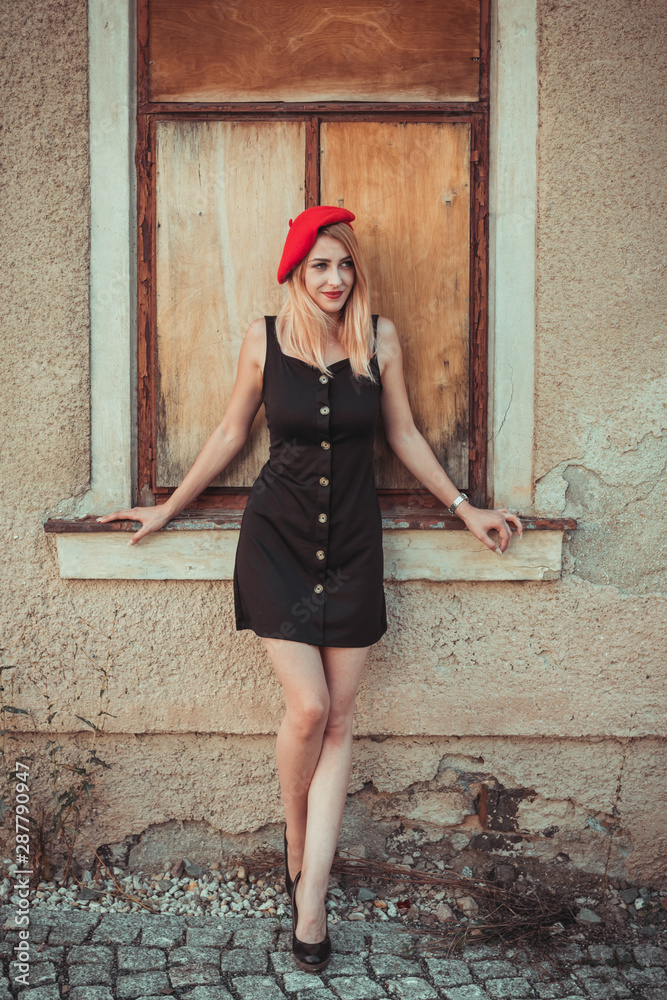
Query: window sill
[201, 545]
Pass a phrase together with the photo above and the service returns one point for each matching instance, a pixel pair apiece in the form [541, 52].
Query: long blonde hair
[301, 326]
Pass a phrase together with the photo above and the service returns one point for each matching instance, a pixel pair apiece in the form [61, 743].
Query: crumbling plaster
[600, 387]
[545, 798]
[541, 686]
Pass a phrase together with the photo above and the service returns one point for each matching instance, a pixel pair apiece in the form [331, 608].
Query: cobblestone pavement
[134, 956]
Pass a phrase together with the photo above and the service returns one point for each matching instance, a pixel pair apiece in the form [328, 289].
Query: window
[88, 550]
[379, 107]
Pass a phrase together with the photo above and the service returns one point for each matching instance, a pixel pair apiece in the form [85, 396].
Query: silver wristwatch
[460, 498]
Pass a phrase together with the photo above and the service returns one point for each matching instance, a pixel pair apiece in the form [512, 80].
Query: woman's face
[329, 274]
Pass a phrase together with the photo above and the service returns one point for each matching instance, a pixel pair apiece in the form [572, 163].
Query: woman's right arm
[222, 446]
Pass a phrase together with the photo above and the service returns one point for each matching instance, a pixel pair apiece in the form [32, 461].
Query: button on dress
[309, 562]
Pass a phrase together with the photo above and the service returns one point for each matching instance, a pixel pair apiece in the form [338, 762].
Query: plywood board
[276, 50]
[409, 187]
[224, 193]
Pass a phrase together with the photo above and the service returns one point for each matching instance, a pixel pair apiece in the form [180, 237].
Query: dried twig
[510, 915]
[122, 892]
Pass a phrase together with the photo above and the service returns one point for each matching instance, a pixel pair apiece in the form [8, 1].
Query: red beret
[302, 234]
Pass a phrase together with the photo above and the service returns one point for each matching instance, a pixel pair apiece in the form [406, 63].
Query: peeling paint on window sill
[203, 547]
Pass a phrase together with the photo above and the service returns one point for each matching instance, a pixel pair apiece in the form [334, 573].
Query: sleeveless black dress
[309, 562]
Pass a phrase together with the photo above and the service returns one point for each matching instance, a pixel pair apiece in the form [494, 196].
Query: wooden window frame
[192, 546]
[419, 506]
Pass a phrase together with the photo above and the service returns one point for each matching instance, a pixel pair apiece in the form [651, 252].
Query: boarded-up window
[219, 221]
[250, 112]
[348, 50]
[409, 184]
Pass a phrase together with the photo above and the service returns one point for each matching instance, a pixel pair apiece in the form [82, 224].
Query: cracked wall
[601, 296]
[520, 799]
[527, 718]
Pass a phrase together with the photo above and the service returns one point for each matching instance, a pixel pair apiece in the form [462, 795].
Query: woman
[308, 573]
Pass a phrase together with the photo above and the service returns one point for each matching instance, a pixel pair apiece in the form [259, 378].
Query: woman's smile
[329, 276]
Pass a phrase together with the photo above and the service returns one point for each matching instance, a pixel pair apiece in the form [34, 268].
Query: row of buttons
[324, 481]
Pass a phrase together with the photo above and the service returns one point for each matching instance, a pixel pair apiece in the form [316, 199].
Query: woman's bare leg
[328, 788]
[300, 670]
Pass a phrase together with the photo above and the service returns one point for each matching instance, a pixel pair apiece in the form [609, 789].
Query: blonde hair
[301, 326]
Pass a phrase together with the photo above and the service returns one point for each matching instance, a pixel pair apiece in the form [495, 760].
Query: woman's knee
[309, 715]
[339, 725]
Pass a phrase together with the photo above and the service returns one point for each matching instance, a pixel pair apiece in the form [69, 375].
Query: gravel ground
[246, 891]
[225, 934]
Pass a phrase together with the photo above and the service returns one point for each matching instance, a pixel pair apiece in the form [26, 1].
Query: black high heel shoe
[288, 881]
[311, 957]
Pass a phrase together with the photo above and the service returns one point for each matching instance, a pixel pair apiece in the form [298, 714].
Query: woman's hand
[481, 522]
[152, 519]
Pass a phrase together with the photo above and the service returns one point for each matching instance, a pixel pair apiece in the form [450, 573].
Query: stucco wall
[551, 694]
[600, 376]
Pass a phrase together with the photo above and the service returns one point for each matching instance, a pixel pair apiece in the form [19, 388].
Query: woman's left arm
[416, 454]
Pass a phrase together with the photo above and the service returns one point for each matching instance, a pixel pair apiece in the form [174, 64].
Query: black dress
[309, 562]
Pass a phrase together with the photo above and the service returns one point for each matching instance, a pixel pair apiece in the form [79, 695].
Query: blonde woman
[308, 576]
